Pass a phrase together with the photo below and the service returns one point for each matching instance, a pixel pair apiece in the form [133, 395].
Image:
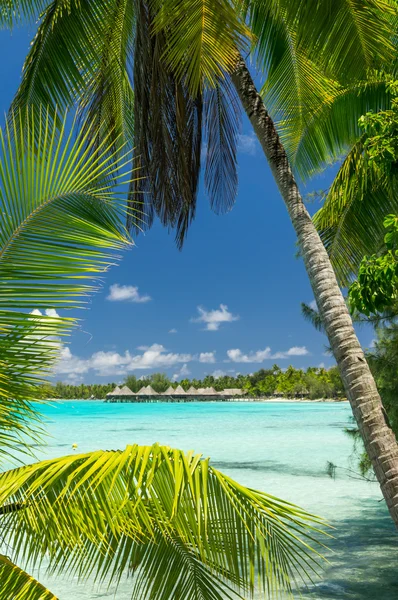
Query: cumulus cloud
[218, 373]
[236, 355]
[173, 331]
[247, 144]
[214, 318]
[313, 305]
[50, 312]
[297, 351]
[207, 357]
[113, 363]
[126, 293]
[183, 372]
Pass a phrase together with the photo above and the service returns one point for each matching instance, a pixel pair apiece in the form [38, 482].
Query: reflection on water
[279, 448]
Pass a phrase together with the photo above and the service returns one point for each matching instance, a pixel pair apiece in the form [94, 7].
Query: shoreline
[280, 400]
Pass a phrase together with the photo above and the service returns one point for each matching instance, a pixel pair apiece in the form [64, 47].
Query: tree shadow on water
[364, 561]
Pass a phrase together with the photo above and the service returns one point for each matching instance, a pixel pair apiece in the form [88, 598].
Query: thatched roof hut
[147, 391]
[115, 392]
[142, 391]
[169, 392]
[124, 391]
[151, 391]
[192, 390]
[201, 391]
[210, 391]
[233, 392]
[179, 391]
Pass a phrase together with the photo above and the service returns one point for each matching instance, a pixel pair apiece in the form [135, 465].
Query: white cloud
[297, 351]
[214, 318]
[218, 373]
[207, 357]
[112, 363]
[128, 293]
[183, 372]
[173, 331]
[247, 144]
[236, 355]
[50, 312]
[313, 305]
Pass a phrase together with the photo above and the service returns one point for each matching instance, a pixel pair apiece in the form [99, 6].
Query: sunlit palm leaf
[61, 225]
[108, 511]
[107, 101]
[202, 38]
[18, 585]
[326, 133]
[54, 58]
[345, 37]
[351, 220]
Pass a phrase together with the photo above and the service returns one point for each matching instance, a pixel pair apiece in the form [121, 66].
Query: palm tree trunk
[378, 437]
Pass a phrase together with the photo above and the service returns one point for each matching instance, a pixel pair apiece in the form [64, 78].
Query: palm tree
[184, 62]
[180, 526]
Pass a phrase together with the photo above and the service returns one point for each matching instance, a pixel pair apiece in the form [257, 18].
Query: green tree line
[314, 382]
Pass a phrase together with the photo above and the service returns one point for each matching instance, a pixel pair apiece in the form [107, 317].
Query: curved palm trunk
[379, 439]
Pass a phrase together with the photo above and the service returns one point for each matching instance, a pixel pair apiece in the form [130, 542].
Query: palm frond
[62, 223]
[325, 133]
[351, 220]
[201, 39]
[14, 12]
[107, 101]
[346, 37]
[18, 585]
[134, 509]
[167, 134]
[62, 56]
[312, 315]
[222, 122]
[294, 90]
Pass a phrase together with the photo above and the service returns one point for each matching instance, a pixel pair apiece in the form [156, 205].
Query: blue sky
[229, 302]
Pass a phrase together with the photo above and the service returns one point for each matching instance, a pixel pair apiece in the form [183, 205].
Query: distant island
[313, 383]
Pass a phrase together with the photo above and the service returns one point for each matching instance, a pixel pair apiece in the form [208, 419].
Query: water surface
[281, 448]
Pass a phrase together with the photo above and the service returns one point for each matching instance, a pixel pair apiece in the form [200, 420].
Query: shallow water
[281, 448]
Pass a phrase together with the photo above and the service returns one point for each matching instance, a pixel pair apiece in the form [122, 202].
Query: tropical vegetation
[188, 73]
[312, 383]
[181, 527]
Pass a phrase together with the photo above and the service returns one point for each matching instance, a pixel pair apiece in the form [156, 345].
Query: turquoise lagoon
[281, 448]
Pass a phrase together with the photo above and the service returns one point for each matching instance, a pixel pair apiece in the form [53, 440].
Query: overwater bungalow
[148, 394]
[169, 392]
[179, 391]
[115, 392]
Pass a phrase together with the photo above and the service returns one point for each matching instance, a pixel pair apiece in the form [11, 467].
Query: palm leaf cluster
[158, 74]
[61, 224]
[363, 193]
[181, 527]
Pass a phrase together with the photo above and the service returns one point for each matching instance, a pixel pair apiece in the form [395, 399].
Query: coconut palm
[182, 528]
[184, 62]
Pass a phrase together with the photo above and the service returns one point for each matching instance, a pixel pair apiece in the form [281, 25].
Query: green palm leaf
[62, 223]
[324, 133]
[180, 53]
[351, 220]
[150, 508]
[18, 585]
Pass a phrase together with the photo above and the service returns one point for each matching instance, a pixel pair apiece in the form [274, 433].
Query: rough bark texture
[379, 439]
